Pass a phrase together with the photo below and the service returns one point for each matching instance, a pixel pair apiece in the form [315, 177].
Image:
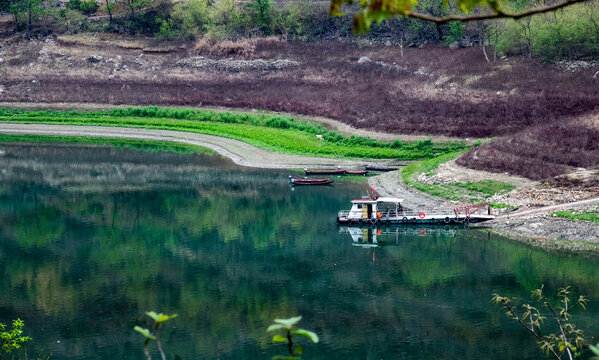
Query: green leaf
[144, 332]
[594, 349]
[274, 327]
[309, 334]
[288, 323]
[160, 318]
[298, 350]
[279, 338]
[152, 314]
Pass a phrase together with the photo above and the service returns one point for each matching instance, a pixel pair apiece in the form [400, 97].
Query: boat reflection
[377, 236]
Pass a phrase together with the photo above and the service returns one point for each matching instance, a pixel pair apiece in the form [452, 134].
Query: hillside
[428, 91]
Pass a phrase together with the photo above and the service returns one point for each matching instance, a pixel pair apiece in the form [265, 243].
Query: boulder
[364, 60]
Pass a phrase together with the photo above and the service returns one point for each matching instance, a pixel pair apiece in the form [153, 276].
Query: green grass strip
[474, 191]
[579, 215]
[275, 133]
[130, 144]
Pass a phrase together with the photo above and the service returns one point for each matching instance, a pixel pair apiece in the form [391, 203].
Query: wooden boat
[324, 172]
[390, 211]
[380, 168]
[356, 172]
[297, 181]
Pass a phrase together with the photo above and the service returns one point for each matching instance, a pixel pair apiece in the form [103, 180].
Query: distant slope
[544, 151]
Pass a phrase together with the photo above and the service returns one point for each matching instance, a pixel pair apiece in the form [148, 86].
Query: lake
[92, 237]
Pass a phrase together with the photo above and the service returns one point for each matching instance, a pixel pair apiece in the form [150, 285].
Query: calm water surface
[92, 237]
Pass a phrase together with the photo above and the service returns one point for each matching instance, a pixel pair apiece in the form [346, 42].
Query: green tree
[136, 5]
[227, 18]
[262, 11]
[109, 5]
[26, 12]
[187, 20]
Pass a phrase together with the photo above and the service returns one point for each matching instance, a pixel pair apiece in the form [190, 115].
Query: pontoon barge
[388, 211]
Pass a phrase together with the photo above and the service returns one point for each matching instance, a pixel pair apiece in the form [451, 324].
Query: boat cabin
[368, 208]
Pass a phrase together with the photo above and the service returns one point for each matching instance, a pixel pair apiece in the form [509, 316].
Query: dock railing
[393, 214]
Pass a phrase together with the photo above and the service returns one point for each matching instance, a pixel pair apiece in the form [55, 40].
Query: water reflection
[91, 238]
[372, 236]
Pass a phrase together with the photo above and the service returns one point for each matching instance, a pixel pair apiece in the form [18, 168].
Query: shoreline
[534, 227]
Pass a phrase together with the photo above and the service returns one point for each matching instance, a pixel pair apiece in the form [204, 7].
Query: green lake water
[92, 237]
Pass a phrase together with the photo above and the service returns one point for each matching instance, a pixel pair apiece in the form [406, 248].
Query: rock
[111, 76]
[95, 59]
[236, 65]
[364, 60]
[535, 225]
[466, 42]
[454, 45]
[513, 91]
[594, 76]
[388, 43]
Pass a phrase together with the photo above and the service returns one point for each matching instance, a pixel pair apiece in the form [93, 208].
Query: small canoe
[380, 168]
[295, 181]
[324, 172]
[356, 172]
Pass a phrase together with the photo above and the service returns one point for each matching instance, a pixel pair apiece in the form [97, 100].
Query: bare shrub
[270, 43]
[243, 48]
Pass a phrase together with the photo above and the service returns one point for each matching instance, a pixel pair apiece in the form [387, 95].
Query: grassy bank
[474, 191]
[592, 216]
[275, 133]
[132, 144]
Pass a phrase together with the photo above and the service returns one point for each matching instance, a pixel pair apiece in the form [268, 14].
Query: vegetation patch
[474, 191]
[275, 133]
[573, 215]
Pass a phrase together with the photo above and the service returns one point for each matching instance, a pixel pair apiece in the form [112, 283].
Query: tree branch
[496, 15]
[531, 330]
[561, 328]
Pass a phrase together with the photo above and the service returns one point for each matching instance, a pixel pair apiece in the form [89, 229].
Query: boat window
[359, 206]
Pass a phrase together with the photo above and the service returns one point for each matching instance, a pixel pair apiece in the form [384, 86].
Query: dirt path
[241, 153]
[390, 184]
[451, 170]
[546, 209]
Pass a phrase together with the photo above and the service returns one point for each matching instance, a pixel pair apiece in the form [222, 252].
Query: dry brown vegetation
[435, 91]
[542, 152]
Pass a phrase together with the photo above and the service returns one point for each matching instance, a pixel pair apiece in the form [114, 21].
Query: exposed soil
[539, 225]
[454, 172]
[430, 91]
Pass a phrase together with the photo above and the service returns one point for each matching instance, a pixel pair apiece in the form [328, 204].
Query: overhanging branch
[495, 15]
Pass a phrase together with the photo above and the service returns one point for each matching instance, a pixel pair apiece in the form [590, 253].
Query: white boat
[390, 211]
